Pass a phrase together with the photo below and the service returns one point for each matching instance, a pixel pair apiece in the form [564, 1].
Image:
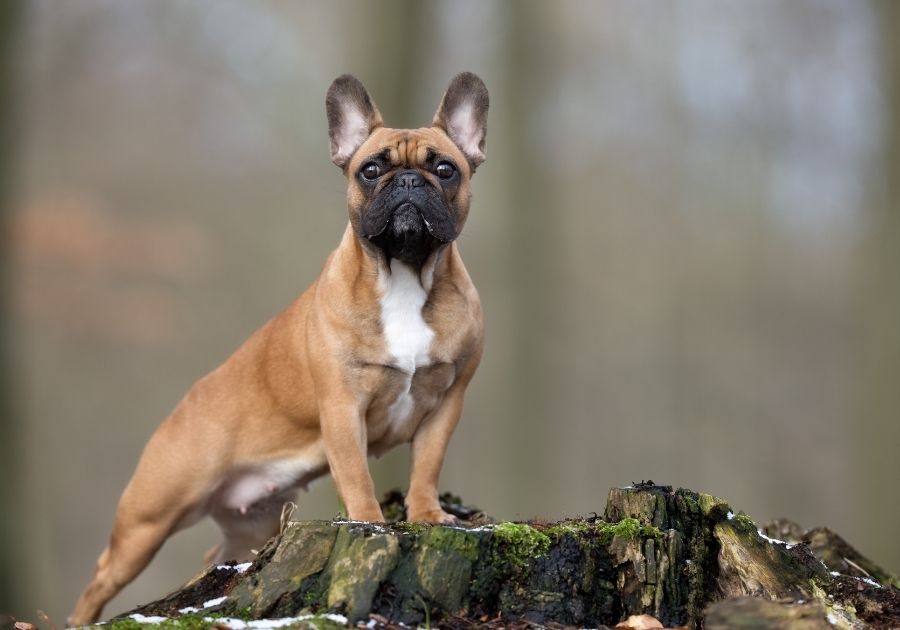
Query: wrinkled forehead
[409, 148]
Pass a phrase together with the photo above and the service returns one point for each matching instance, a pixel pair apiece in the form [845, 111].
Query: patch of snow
[215, 602]
[867, 580]
[832, 619]
[774, 541]
[189, 609]
[730, 516]
[871, 582]
[371, 623]
[480, 528]
[268, 624]
[378, 528]
[386, 530]
[240, 568]
[335, 618]
[142, 619]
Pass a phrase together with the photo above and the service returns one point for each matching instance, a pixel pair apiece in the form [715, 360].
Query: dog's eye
[370, 171]
[444, 170]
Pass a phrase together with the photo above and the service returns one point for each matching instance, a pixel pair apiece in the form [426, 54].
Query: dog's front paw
[370, 516]
[435, 516]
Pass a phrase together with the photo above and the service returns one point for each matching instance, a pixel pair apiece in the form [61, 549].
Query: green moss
[245, 612]
[743, 523]
[321, 623]
[436, 569]
[360, 561]
[712, 507]
[455, 541]
[692, 504]
[411, 528]
[570, 528]
[184, 622]
[314, 597]
[627, 529]
[844, 615]
[592, 534]
[651, 532]
[520, 543]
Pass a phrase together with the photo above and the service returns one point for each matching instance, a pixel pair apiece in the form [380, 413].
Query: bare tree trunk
[9, 18]
[880, 284]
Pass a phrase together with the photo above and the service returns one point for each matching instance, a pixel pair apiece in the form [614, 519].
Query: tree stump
[679, 556]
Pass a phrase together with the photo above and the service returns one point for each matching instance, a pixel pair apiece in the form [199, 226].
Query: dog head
[408, 189]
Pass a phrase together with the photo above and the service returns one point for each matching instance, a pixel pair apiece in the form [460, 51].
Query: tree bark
[9, 20]
[676, 555]
[878, 431]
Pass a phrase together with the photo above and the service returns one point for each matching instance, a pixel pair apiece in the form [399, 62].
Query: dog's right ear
[462, 115]
[352, 116]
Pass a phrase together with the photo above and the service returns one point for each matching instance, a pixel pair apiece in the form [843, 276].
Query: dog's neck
[371, 264]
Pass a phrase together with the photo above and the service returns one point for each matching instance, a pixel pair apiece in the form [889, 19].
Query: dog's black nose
[409, 179]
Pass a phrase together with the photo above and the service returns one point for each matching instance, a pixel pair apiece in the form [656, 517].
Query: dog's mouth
[407, 235]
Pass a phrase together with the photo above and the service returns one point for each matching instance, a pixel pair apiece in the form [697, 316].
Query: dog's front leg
[428, 447]
[344, 433]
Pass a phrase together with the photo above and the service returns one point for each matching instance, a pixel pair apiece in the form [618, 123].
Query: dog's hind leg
[168, 491]
[129, 551]
[136, 537]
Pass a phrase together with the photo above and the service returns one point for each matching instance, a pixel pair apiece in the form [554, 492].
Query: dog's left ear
[352, 116]
[462, 114]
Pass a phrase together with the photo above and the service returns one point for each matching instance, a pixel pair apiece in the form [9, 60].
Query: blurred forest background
[686, 237]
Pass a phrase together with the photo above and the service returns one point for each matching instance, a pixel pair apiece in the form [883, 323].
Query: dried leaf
[640, 622]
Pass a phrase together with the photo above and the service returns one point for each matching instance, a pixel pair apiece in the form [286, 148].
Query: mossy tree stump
[677, 555]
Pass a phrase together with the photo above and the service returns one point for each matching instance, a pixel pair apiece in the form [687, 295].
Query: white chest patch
[406, 334]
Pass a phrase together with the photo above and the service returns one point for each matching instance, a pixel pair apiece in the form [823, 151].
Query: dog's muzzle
[406, 237]
[409, 219]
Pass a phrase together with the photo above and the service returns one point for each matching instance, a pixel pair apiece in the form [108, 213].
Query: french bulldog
[377, 352]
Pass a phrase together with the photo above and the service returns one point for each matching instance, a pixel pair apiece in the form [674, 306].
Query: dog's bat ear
[352, 116]
[462, 115]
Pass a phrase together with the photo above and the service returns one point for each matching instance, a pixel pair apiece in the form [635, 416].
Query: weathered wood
[676, 555]
[755, 613]
[829, 547]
